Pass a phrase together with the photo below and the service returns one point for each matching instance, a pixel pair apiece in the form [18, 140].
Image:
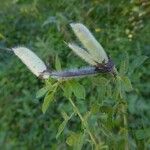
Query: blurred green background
[43, 25]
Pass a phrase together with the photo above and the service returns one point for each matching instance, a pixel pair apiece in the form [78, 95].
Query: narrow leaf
[139, 60]
[118, 88]
[65, 116]
[57, 63]
[47, 100]
[61, 128]
[124, 64]
[126, 83]
[41, 92]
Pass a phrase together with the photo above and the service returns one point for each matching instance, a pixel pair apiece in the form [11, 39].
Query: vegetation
[97, 112]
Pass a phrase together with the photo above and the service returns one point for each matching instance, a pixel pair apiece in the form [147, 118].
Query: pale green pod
[82, 53]
[32, 61]
[89, 42]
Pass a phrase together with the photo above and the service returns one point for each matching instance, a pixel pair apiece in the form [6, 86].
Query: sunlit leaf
[61, 128]
[64, 123]
[78, 90]
[41, 92]
[80, 142]
[47, 100]
[67, 88]
[71, 140]
[76, 140]
[65, 116]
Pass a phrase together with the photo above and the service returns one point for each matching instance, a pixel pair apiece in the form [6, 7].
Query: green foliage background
[121, 26]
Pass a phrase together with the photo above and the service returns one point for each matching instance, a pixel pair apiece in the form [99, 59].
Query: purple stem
[84, 71]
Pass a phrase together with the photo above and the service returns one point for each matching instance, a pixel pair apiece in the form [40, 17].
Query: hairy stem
[84, 122]
[126, 127]
[5, 49]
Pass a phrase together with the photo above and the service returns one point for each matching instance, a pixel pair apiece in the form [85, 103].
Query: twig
[83, 121]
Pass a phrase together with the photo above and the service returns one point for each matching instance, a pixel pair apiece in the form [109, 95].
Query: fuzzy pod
[32, 61]
[82, 53]
[89, 42]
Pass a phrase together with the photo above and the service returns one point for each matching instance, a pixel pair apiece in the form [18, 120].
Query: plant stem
[83, 121]
[5, 49]
[124, 116]
[126, 127]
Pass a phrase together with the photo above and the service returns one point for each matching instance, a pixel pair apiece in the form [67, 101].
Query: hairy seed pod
[89, 42]
[32, 61]
[82, 53]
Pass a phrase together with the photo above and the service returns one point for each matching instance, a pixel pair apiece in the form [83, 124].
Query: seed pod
[82, 53]
[32, 61]
[89, 42]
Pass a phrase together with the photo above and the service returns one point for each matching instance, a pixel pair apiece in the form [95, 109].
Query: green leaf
[47, 100]
[126, 84]
[57, 63]
[79, 142]
[109, 90]
[118, 88]
[86, 116]
[61, 128]
[76, 140]
[67, 88]
[100, 81]
[44, 90]
[40, 93]
[65, 116]
[64, 123]
[101, 89]
[139, 60]
[71, 140]
[142, 133]
[78, 90]
[95, 108]
[124, 64]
